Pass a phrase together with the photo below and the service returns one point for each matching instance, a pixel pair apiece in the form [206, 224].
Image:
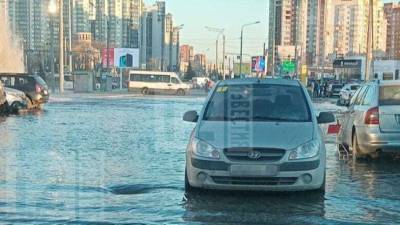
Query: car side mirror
[191, 116]
[326, 117]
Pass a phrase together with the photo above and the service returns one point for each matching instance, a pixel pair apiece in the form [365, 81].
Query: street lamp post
[241, 44]
[177, 29]
[52, 11]
[61, 36]
[220, 32]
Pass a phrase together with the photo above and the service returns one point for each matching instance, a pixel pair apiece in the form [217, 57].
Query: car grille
[266, 154]
[272, 181]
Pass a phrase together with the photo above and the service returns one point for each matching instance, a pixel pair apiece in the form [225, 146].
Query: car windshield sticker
[222, 89]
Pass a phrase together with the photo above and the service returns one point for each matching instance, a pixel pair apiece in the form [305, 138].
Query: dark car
[3, 101]
[33, 86]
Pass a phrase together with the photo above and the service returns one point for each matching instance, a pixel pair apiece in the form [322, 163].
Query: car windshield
[354, 87]
[389, 95]
[258, 102]
[40, 81]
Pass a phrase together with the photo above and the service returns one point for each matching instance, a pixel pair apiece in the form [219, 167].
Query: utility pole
[61, 60]
[216, 57]
[241, 44]
[178, 50]
[108, 36]
[170, 48]
[241, 53]
[52, 53]
[177, 29]
[370, 40]
[223, 57]
[265, 60]
[220, 32]
[52, 13]
[70, 36]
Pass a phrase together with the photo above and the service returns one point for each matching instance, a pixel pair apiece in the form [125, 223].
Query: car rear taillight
[372, 116]
[38, 88]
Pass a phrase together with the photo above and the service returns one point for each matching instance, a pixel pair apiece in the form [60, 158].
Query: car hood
[282, 135]
[11, 91]
[13, 95]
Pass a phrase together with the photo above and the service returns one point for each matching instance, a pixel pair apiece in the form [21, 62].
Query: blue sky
[228, 14]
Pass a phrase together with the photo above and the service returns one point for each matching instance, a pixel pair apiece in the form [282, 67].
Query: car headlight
[202, 149]
[305, 151]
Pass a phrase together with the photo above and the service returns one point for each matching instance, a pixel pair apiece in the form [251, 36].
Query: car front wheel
[188, 187]
[180, 92]
[145, 91]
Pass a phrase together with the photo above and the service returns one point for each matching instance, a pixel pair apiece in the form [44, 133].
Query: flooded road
[120, 160]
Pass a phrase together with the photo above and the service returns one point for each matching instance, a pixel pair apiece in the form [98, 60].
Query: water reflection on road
[121, 160]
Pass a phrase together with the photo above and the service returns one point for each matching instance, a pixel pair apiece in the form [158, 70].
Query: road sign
[288, 66]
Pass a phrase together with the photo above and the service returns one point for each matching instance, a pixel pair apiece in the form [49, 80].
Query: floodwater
[120, 160]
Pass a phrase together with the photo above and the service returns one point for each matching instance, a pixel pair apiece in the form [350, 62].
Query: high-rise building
[115, 22]
[28, 21]
[84, 15]
[99, 33]
[132, 12]
[346, 24]
[159, 39]
[186, 57]
[313, 39]
[187, 53]
[119, 20]
[392, 15]
[200, 63]
[293, 31]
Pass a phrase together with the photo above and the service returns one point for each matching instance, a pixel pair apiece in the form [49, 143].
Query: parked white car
[347, 92]
[3, 100]
[199, 82]
[16, 100]
[371, 125]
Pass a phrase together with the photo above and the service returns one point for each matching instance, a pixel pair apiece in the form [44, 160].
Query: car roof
[17, 75]
[244, 81]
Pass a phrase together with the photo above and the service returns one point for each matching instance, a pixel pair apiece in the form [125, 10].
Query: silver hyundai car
[259, 135]
[371, 125]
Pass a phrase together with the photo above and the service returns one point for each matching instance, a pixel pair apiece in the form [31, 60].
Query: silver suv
[256, 135]
[372, 122]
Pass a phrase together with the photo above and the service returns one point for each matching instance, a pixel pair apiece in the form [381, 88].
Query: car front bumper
[40, 98]
[371, 140]
[290, 176]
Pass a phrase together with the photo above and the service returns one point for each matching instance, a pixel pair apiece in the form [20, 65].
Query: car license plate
[254, 170]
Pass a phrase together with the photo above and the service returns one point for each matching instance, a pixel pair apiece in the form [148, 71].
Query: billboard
[258, 64]
[107, 53]
[121, 57]
[126, 57]
[347, 63]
